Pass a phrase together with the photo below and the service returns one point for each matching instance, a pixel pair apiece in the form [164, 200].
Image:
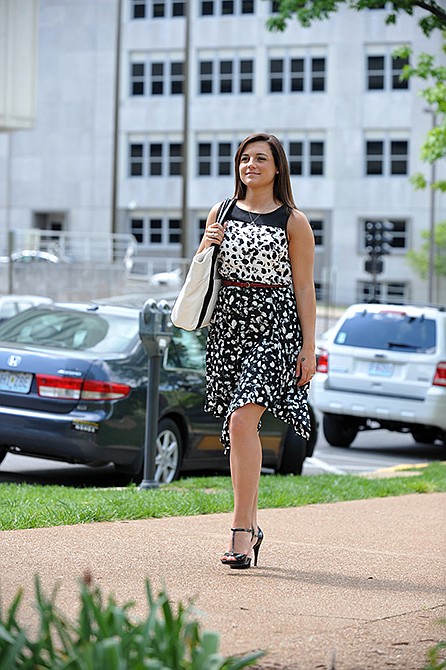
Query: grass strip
[34, 506]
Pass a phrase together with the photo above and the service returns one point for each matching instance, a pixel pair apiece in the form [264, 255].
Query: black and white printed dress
[255, 336]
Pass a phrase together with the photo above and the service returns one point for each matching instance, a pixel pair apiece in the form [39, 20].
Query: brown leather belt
[250, 284]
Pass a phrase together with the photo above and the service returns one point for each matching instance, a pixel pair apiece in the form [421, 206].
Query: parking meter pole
[155, 333]
[151, 428]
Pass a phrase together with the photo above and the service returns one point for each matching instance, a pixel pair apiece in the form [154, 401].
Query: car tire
[425, 435]
[294, 451]
[338, 430]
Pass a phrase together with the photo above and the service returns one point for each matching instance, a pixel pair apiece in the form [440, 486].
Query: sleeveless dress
[254, 335]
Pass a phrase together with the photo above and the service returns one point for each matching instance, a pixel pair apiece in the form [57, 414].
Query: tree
[434, 145]
[419, 260]
[307, 11]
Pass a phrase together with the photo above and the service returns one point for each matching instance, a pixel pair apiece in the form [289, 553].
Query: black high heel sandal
[236, 560]
[256, 548]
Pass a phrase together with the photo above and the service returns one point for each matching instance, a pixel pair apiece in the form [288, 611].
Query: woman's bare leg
[245, 462]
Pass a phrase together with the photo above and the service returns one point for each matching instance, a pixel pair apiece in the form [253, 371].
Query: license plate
[17, 382]
[381, 369]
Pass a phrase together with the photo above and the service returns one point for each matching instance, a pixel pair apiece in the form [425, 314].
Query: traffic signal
[377, 239]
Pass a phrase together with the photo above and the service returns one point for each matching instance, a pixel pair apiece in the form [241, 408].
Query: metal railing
[67, 246]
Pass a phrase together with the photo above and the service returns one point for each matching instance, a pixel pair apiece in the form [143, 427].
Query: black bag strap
[224, 209]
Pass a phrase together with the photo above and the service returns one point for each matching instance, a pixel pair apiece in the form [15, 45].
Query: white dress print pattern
[255, 336]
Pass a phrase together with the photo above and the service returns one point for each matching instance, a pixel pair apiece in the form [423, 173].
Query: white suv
[383, 366]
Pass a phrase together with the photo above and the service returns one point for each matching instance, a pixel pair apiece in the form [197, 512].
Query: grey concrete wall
[70, 281]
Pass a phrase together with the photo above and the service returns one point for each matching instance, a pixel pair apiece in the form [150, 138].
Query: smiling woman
[261, 346]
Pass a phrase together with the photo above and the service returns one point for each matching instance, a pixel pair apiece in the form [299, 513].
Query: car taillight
[440, 375]
[322, 363]
[94, 390]
[72, 388]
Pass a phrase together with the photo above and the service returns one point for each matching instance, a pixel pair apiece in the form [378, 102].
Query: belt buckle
[247, 284]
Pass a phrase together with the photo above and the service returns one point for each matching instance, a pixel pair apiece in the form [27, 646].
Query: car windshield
[72, 329]
[388, 330]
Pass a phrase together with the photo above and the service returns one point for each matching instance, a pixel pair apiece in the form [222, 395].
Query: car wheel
[425, 435]
[294, 451]
[338, 430]
[169, 451]
[3, 452]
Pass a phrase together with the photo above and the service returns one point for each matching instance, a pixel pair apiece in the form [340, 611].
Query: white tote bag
[196, 301]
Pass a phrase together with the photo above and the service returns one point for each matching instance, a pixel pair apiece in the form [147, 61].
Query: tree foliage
[419, 260]
[307, 11]
[434, 144]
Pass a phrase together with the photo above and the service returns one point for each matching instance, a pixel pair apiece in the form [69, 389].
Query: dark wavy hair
[282, 182]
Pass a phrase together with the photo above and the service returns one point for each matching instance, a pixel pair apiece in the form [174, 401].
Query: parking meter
[155, 331]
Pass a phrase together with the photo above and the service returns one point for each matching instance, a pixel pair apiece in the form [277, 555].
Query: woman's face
[257, 167]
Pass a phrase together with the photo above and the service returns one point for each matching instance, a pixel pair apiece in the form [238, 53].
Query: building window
[383, 72]
[138, 9]
[200, 227]
[157, 79]
[226, 76]
[137, 229]
[157, 9]
[175, 159]
[297, 75]
[226, 7]
[166, 77]
[318, 227]
[386, 157]
[316, 158]
[306, 157]
[136, 160]
[318, 74]
[156, 230]
[385, 291]
[164, 159]
[176, 78]
[137, 77]
[398, 234]
[319, 290]
[215, 158]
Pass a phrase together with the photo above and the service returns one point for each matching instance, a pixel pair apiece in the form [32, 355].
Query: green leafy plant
[436, 655]
[106, 637]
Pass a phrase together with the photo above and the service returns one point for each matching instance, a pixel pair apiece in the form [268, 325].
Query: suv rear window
[388, 330]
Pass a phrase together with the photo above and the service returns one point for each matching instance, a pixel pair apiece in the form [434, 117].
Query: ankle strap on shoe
[242, 530]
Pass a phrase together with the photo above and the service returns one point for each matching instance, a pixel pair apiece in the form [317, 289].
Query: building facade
[112, 94]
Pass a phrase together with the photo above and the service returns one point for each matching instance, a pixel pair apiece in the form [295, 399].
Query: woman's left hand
[214, 234]
[306, 367]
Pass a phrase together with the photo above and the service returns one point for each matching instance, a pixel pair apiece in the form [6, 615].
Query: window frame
[166, 80]
[389, 73]
[156, 229]
[168, 9]
[297, 72]
[214, 81]
[388, 157]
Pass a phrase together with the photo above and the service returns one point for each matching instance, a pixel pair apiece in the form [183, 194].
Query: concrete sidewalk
[360, 582]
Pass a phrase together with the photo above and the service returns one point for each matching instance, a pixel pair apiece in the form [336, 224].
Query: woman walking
[261, 345]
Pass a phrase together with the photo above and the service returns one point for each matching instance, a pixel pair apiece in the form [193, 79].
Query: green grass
[32, 506]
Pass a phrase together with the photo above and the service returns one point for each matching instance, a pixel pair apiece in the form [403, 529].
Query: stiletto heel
[234, 559]
[256, 548]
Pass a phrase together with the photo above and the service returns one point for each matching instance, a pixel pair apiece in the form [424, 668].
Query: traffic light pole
[378, 238]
